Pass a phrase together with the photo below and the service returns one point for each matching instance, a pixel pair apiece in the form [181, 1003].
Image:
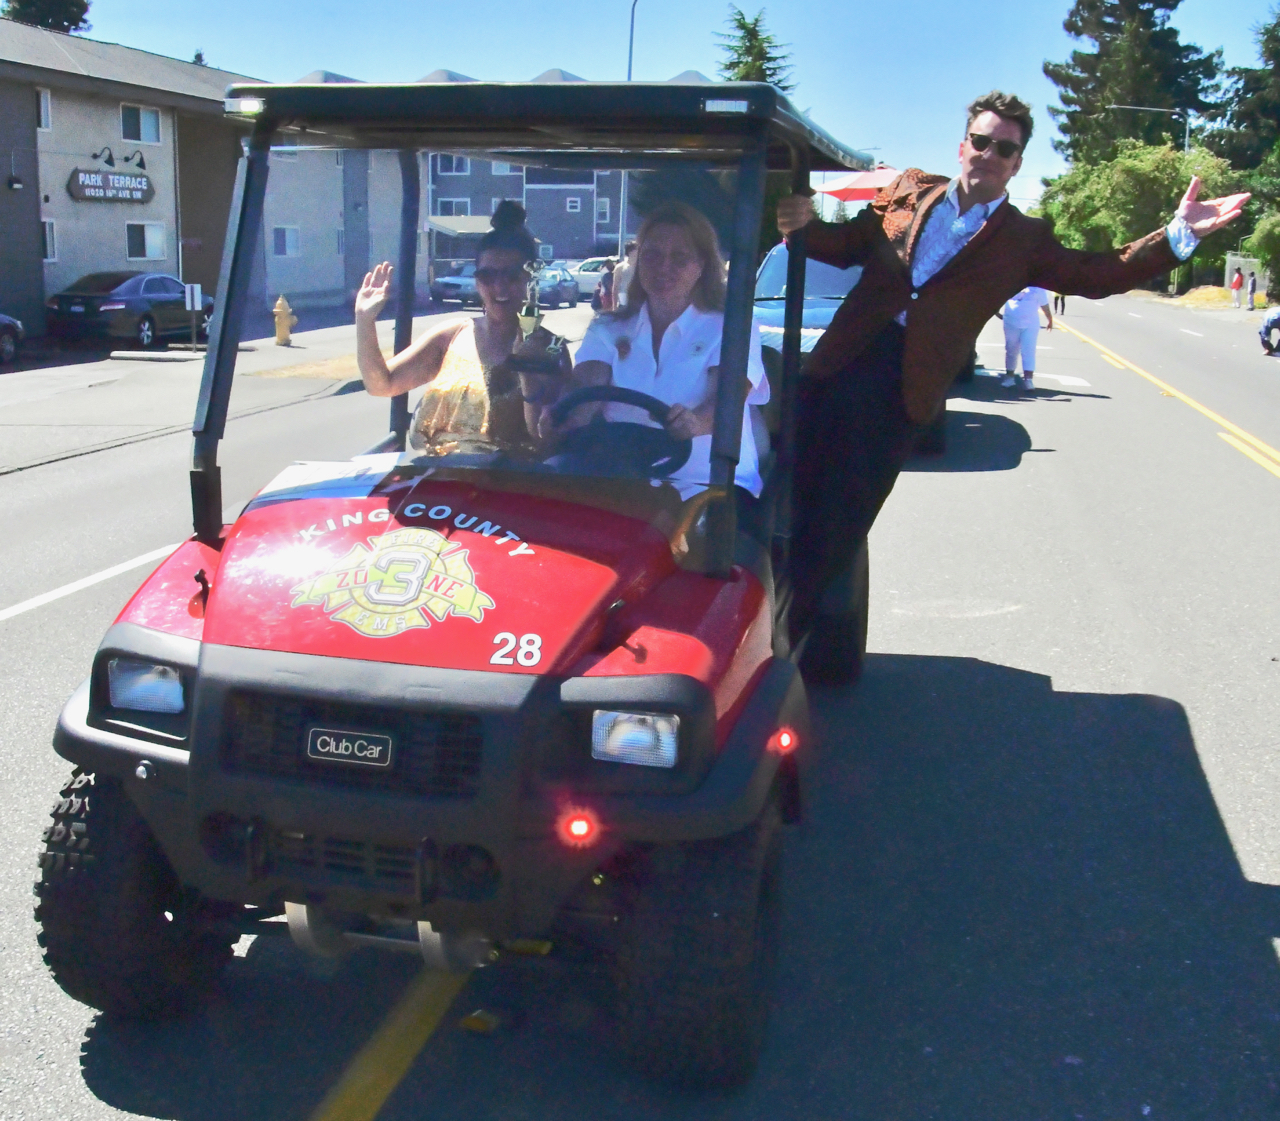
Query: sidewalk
[56, 413]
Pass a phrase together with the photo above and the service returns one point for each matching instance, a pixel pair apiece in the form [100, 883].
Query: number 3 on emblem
[529, 652]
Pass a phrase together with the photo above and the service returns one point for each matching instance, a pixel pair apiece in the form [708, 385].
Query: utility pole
[622, 202]
[1185, 114]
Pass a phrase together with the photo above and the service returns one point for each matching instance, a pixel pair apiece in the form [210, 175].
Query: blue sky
[893, 77]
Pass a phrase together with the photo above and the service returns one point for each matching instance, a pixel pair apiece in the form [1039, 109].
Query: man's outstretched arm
[840, 244]
[1077, 273]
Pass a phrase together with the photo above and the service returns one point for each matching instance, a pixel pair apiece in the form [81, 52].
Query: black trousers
[852, 437]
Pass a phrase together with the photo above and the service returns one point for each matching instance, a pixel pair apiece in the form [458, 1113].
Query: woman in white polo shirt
[666, 342]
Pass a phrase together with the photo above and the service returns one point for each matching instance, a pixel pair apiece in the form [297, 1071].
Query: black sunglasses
[492, 275]
[1006, 149]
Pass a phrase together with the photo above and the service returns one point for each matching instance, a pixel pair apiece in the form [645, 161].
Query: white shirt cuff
[1182, 240]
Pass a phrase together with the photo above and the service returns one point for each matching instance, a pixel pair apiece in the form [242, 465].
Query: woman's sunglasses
[1006, 149]
[492, 276]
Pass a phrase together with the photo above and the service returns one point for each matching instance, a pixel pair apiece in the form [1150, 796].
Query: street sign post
[195, 305]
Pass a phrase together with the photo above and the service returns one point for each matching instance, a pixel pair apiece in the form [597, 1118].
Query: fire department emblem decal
[396, 582]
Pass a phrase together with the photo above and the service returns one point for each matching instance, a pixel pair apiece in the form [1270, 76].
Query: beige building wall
[384, 212]
[90, 234]
[304, 199]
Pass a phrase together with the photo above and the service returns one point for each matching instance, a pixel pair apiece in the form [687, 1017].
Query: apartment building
[118, 159]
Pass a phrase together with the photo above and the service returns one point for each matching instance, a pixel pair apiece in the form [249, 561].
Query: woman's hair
[708, 293]
[509, 232]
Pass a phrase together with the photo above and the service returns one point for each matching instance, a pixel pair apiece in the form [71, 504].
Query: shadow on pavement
[977, 442]
[985, 388]
[1006, 902]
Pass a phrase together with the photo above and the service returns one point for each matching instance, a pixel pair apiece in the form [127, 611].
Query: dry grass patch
[1214, 296]
[342, 368]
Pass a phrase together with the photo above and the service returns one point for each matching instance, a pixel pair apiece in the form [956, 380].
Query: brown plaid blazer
[944, 316]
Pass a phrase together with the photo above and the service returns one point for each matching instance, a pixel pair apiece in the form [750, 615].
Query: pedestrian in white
[1021, 317]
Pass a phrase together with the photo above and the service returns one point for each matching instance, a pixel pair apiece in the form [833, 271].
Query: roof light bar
[244, 106]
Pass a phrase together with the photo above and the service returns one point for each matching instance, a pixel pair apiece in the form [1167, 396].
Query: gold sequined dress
[471, 407]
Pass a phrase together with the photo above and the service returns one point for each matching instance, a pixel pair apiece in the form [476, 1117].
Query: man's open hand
[1207, 217]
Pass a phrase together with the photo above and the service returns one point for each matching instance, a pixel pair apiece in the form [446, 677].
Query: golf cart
[448, 703]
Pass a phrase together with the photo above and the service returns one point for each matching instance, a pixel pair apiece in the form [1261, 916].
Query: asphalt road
[1037, 876]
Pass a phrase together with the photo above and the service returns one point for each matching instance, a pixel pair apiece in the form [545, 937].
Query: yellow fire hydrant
[285, 322]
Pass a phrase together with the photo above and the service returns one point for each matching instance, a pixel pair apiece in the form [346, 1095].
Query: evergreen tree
[56, 15]
[1250, 113]
[752, 54]
[1138, 59]
[198, 57]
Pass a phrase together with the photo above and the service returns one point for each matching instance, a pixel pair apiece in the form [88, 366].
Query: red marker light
[578, 827]
[783, 742]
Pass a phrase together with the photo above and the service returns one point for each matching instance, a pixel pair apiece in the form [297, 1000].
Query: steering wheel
[620, 447]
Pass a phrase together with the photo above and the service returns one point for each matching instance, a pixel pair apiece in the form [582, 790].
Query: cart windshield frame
[747, 127]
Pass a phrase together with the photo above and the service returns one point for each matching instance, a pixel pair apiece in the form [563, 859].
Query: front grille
[365, 864]
[433, 753]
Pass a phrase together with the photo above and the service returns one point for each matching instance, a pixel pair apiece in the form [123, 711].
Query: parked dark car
[555, 287]
[11, 334]
[142, 306]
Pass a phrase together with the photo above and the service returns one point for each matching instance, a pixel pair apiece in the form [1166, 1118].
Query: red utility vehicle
[443, 703]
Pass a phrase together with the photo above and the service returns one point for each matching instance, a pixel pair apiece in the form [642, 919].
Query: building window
[453, 165]
[342, 242]
[140, 124]
[573, 204]
[500, 168]
[452, 208]
[46, 111]
[284, 241]
[144, 241]
[337, 157]
[602, 211]
[546, 252]
[48, 240]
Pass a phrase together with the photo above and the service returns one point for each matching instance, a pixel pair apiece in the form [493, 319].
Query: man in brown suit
[939, 259]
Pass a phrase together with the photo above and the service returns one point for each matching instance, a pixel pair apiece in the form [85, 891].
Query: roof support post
[731, 390]
[793, 319]
[244, 226]
[407, 279]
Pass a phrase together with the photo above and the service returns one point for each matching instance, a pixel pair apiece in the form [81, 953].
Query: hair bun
[509, 215]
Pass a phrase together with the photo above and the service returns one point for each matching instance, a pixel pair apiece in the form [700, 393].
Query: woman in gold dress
[474, 401]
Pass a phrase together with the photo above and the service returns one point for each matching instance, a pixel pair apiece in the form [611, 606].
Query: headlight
[642, 738]
[143, 686]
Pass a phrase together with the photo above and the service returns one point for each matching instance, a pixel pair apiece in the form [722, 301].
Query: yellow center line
[381, 1063]
[1242, 437]
[1244, 448]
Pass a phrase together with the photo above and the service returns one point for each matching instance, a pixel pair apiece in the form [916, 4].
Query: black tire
[573, 300]
[697, 961]
[837, 645]
[118, 931]
[145, 332]
[8, 347]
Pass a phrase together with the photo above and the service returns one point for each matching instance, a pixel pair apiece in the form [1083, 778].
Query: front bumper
[487, 859]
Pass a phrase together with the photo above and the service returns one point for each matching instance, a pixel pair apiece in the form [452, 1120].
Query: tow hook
[316, 932]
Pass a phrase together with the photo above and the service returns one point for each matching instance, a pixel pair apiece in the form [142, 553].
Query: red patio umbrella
[860, 186]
